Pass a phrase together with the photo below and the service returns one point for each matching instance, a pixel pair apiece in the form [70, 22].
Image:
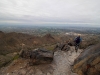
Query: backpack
[78, 40]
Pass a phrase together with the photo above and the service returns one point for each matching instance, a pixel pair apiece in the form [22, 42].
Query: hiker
[77, 42]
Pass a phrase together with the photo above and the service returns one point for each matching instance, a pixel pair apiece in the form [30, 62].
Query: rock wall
[88, 62]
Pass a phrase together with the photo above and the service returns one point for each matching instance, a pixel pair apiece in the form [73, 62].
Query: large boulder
[38, 56]
[62, 46]
[88, 63]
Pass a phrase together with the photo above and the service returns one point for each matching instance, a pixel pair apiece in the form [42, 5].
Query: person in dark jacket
[77, 41]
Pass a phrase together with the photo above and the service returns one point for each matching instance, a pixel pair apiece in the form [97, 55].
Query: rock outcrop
[88, 62]
[63, 47]
[37, 56]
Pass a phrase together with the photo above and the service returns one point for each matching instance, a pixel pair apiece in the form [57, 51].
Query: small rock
[38, 72]
[23, 72]
[7, 73]
[48, 74]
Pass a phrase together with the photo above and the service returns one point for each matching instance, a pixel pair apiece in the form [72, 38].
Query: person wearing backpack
[77, 42]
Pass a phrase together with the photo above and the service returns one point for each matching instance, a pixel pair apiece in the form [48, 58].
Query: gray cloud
[50, 12]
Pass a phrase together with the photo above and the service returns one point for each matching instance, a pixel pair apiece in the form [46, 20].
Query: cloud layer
[50, 12]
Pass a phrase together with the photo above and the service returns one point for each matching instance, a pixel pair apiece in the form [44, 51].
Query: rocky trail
[64, 60]
[61, 65]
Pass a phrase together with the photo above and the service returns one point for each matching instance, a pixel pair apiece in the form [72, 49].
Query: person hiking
[77, 42]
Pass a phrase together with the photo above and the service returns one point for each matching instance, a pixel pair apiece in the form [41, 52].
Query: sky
[50, 12]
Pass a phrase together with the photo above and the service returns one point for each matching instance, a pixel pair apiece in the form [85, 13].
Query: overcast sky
[39, 12]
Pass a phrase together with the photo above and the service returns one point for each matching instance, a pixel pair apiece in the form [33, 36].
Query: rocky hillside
[62, 61]
[65, 62]
[88, 62]
[12, 43]
[60, 65]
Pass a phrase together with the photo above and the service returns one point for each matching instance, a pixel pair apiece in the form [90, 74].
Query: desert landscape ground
[14, 39]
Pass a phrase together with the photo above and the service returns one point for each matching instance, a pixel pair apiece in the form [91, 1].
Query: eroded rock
[88, 63]
[63, 47]
[38, 56]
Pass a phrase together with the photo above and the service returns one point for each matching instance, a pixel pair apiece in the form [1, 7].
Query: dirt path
[61, 65]
[64, 60]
